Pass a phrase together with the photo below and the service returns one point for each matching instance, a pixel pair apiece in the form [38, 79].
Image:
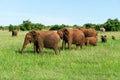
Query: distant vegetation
[109, 25]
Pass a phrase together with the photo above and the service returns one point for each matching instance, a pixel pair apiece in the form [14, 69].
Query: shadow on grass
[27, 51]
[49, 52]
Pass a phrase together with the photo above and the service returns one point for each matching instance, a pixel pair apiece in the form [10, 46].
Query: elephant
[91, 41]
[102, 29]
[71, 36]
[104, 38]
[14, 32]
[30, 38]
[113, 37]
[89, 32]
[47, 39]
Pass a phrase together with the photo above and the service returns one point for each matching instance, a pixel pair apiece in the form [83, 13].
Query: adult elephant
[41, 39]
[71, 36]
[90, 32]
[14, 32]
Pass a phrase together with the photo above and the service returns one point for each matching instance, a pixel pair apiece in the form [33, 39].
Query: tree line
[109, 25]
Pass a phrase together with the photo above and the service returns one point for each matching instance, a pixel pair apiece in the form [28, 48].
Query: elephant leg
[87, 43]
[77, 46]
[23, 49]
[24, 46]
[56, 50]
[69, 45]
[81, 45]
[41, 50]
[35, 48]
[63, 45]
[40, 47]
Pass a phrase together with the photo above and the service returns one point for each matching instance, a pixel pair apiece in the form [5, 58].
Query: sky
[51, 12]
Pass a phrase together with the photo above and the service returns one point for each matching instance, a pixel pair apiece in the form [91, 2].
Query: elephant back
[90, 32]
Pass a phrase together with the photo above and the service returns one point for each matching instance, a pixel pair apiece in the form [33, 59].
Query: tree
[27, 24]
[56, 27]
[37, 26]
[11, 27]
[89, 25]
[112, 25]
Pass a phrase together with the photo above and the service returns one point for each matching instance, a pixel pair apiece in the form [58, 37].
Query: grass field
[101, 62]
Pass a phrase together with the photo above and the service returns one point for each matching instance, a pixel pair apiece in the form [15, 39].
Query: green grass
[101, 62]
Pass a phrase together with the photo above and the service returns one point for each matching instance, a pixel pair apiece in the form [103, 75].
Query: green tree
[56, 27]
[89, 25]
[11, 27]
[112, 25]
[27, 24]
[37, 26]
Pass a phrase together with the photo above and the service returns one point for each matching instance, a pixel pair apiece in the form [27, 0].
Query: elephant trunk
[24, 45]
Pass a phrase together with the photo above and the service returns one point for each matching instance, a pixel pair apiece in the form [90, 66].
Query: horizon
[68, 12]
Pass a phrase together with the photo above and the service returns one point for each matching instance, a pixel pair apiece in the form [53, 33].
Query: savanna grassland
[101, 62]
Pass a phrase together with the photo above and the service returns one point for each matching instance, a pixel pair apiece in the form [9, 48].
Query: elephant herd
[51, 39]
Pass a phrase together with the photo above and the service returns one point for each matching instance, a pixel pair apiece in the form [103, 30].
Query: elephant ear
[60, 33]
[34, 34]
[66, 33]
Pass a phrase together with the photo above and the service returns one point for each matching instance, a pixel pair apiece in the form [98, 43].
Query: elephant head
[60, 33]
[29, 38]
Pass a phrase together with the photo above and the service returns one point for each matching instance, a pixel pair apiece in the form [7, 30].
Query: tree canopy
[109, 25]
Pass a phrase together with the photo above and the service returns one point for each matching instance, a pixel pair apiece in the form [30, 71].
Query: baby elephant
[91, 41]
[113, 37]
[104, 38]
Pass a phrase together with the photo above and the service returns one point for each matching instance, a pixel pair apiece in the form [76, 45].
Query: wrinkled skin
[89, 32]
[104, 38]
[30, 38]
[41, 39]
[91, 41]
[14, 32]
[71, 36]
